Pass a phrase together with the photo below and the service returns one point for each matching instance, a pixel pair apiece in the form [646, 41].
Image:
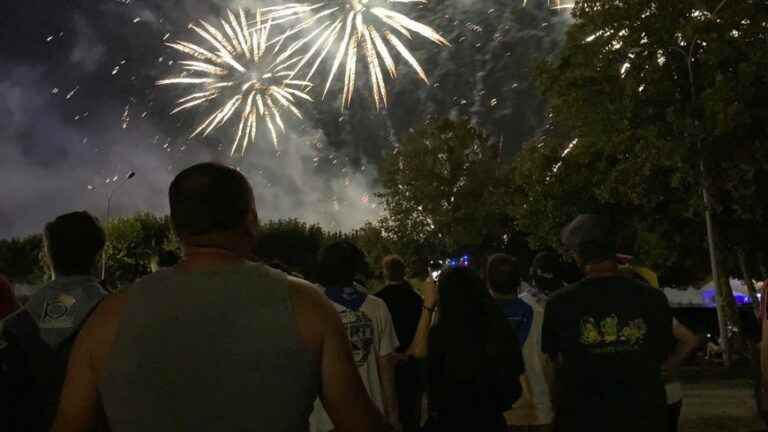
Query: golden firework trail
[350, 28]
[235, 70]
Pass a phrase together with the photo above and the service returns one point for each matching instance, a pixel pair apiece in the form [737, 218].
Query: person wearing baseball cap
[608, 336]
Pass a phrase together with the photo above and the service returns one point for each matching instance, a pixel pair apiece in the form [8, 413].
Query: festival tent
[705, 296]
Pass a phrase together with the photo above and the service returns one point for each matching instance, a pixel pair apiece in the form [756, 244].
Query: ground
[718, 401]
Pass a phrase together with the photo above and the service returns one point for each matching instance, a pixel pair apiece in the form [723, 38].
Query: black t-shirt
[405, 307]
[611, 335]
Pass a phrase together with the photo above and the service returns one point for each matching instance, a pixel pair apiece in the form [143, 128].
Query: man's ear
[252, 224]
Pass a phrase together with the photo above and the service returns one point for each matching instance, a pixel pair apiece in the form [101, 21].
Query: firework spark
[236, 71]
[351, 27]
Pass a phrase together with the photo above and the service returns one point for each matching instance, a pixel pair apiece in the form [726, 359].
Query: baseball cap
[591, 237]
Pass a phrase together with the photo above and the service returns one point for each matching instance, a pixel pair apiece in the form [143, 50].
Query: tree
[132, 243]
[671, 86]
[20, 259]
[443, 187]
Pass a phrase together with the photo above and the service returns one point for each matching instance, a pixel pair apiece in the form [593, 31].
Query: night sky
[79, 107]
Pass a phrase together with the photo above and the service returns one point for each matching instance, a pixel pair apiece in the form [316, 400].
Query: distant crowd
[218, 340]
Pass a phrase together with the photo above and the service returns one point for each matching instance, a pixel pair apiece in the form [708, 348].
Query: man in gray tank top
[216, 343]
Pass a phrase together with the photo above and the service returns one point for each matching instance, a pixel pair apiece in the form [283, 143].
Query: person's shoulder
[305, 291]
[375, 305]
[566, 294]
[385, 293]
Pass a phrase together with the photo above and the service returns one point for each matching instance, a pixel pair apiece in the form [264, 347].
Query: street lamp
[125, 180]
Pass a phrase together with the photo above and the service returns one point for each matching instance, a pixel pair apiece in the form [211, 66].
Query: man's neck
[201, 258]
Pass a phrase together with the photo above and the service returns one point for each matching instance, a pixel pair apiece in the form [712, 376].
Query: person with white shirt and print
[369, 329]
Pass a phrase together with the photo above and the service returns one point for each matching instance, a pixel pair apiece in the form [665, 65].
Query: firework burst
[350, 28]
[236, 71]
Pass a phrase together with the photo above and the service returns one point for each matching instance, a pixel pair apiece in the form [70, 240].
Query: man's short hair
[209, 198]
[394, 268]
[591, 238]
[73, 243]
[503, 273]
[339, 263]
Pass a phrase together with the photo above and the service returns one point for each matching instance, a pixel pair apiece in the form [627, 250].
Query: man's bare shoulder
[308, 295]
[106, 316]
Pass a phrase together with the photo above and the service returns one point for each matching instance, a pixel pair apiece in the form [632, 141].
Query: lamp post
[125, 180]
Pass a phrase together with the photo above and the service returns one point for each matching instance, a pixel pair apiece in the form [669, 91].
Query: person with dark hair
[369, 329]
[503, 279]
[405, 306]
[546, 274]
[40, 335]
[72, 244]
[533, 411]
[166, 258]
[216, 342]
[473, 358]
[609, 337]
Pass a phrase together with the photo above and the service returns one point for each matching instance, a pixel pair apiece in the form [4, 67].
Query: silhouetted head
[167, 258]
[503, 274]
[546, 272]
[212, 205]
[591, 239]
[339, 263]
[72, 243]
[394, 268]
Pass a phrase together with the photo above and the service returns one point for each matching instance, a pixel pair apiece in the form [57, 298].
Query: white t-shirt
[371, 334]
[537, 409]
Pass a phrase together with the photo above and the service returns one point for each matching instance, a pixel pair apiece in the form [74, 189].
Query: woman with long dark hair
[473, 357]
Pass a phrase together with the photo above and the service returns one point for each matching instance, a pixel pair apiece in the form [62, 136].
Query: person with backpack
[40, 336]
[369, 327]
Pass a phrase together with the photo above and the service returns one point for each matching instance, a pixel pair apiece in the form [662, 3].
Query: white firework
[349, 28]
[234, 71]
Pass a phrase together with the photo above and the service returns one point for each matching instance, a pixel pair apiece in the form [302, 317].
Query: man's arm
[80, 404]
[387, 377]
[342, 392]
[687, 342]
[387, 359]
[418, 348]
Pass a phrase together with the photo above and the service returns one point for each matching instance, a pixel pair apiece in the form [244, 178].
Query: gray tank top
[209, 351]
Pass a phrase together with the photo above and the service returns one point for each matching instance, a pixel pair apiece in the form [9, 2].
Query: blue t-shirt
[520, 315]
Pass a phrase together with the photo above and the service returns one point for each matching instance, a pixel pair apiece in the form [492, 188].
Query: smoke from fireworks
[239, 73]
[350, 27]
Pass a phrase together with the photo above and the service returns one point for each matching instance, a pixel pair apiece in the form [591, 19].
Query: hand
[399, 358]
[431, 294]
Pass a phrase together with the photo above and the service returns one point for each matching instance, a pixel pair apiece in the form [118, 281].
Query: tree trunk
[747, 275]
[728, 324]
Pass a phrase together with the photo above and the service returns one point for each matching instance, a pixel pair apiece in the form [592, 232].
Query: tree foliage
[643, 124]
[443, 187]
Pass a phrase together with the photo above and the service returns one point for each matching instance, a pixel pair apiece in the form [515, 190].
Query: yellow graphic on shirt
[635, 332]
[610, 328]
[590, 335]
[611, 335]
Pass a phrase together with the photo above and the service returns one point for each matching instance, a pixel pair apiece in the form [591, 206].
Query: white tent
[705, 296]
